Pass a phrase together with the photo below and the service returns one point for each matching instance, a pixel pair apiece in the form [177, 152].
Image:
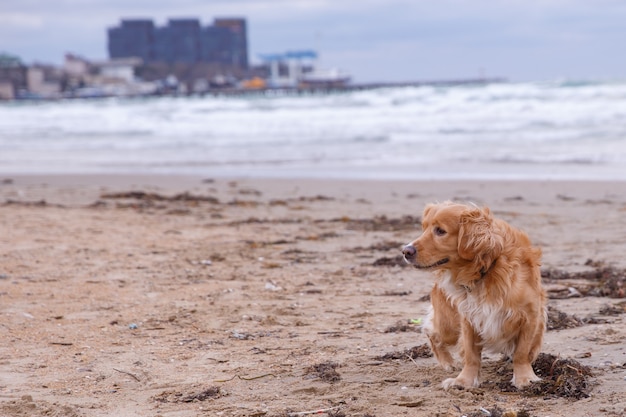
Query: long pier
[340, 88]
[309, 89]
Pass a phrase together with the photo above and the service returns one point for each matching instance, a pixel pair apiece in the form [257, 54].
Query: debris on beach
[401, 327]
[498, 412]
[560, 378]
[558, 320]
[510, 413]
[421, 351]
[387, 261]
[326, 371]
[329, 411]
[180, 397]
[143, 195]
[381, 223]
[565, 378]
[613, 309]
[603, 281]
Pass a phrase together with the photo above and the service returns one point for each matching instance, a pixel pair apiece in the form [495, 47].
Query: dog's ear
[478, 241]
[427, 209]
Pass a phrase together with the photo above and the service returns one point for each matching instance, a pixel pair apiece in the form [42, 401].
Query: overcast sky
[374, 40]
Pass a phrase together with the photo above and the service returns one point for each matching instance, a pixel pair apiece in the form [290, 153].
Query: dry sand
[271, 297]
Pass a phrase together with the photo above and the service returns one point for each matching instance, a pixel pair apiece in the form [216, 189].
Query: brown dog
[488, 291]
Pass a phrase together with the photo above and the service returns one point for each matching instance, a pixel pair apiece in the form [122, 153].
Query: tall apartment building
[181, 41]
[133, 38]
[233, 38]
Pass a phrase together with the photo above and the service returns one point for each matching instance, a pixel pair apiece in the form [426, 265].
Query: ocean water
[549, 130]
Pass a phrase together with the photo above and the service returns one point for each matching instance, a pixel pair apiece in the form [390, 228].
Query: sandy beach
[189, 296]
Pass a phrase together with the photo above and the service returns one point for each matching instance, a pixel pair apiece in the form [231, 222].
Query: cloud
[20, 21]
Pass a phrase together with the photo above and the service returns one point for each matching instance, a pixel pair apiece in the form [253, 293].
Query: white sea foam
[508, 130]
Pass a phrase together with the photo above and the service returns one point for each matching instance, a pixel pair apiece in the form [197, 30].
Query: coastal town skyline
[374, 40]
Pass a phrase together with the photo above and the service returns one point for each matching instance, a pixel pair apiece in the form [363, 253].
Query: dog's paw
[460, 382]
[523, 375]
[524, 380]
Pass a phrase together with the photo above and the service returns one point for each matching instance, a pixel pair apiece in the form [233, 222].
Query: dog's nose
[409, 251]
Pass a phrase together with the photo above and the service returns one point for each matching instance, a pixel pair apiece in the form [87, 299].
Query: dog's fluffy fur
[488, 291]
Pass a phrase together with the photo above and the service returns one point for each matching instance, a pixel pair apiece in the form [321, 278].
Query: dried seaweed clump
[421, 351]
[381, 223]
[560, 378]
[326, 371]
[606, 281]
[558, 320]
[142, 195]
[180, 397]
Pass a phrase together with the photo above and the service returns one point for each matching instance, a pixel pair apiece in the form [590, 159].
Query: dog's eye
[439, 231]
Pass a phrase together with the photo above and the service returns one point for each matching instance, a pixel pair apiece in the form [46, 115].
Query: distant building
[12, 76]
[76, 66]
[297, 68]
[7, 91]
[44, 81]
[133, 38]
[181, 41]
[234, 40]
[122, 69]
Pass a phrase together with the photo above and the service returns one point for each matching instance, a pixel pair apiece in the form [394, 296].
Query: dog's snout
[409, 251]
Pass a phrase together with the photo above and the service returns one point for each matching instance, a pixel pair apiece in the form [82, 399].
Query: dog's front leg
[472, 349]
[442, 325]
[526, 350]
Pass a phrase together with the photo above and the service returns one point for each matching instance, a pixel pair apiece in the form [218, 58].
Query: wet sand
[187, 296]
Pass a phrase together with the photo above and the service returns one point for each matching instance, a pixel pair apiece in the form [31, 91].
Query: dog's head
[455, 236]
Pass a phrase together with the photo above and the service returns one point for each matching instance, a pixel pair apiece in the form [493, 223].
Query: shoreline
[589, 188]
[402, 171]
[176, 178]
